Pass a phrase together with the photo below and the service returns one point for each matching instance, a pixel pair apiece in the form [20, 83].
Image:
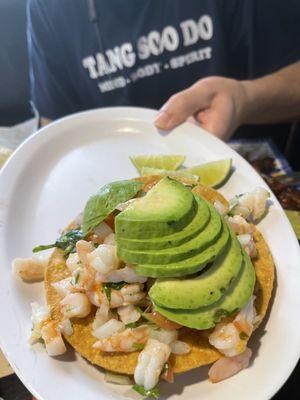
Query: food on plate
[167, 162]
[213, 173]
[155, 278]
[5, 153]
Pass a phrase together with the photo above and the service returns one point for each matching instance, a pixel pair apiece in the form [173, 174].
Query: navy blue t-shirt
[148, 50]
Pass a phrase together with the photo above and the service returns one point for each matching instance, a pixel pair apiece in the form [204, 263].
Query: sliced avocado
[189, 265]
[232, 301]
[205, 289]
[165, 256]
[198, 223]
[167, 208]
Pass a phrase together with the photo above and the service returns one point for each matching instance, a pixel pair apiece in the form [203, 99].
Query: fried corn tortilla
[201, 353]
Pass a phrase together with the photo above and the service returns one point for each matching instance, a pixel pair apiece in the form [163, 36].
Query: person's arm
[221, 105]
[274, 98]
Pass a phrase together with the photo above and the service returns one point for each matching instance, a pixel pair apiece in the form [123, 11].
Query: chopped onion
[102, 230]
[244, 239]
[221, 208]
[110, 377]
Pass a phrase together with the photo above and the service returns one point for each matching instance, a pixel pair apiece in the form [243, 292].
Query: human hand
[216, 103]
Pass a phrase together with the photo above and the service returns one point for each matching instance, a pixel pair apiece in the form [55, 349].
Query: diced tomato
[162, 321]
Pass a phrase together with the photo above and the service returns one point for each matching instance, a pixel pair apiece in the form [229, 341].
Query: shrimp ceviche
[155, 277]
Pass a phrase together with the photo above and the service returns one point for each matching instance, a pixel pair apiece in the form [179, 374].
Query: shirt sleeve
[51, 87]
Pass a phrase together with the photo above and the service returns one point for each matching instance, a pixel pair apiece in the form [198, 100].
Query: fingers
[181, 106]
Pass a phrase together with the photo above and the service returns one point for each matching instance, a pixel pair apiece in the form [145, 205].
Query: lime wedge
[168, 162]
[4, 154]
[294, 218]
[212, 173]
[180, 176]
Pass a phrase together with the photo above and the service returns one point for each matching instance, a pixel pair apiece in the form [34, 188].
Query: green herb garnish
[107, 292]
[112, 285]
[166, 368]
[147, 393]
[243, 336]
[220, 313]
[115, 285]
[138, 346]
[132, 325]
[100, 205]
[75, 278]
[66, 242]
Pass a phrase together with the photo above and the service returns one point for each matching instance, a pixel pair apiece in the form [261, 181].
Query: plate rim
[46, 131]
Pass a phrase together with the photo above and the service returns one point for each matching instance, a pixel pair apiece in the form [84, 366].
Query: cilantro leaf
[67, 242]
[147, 393]
[138, 346]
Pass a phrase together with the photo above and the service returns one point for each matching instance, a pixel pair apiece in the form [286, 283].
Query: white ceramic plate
[47, 182]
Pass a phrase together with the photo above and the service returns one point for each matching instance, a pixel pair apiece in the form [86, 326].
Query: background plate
[47, 182]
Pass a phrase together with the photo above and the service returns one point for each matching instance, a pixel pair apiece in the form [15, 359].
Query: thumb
[181, 106]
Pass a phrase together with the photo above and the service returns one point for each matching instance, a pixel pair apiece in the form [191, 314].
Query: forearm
[272, 99]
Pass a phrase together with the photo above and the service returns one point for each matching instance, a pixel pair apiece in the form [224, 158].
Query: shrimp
[66, 327]
[95, 294]
[39, 314]
[83, 249]
[162, 335]
[73, 262]
[129, 294]
[63, 287]
[150, 363]
[127, 341]
[108, 329]
[30, 269]
[179, 347]
[229, 366]
[244, 233]
[126, 274]
[247, 242]
[231, 338]
[54, 343]
[102, 314]
[116, 299]
[82, 279]
[75, 305]
[104, 258]
[132, 294]
[239, 225]
[128, 314]
[252, 205]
